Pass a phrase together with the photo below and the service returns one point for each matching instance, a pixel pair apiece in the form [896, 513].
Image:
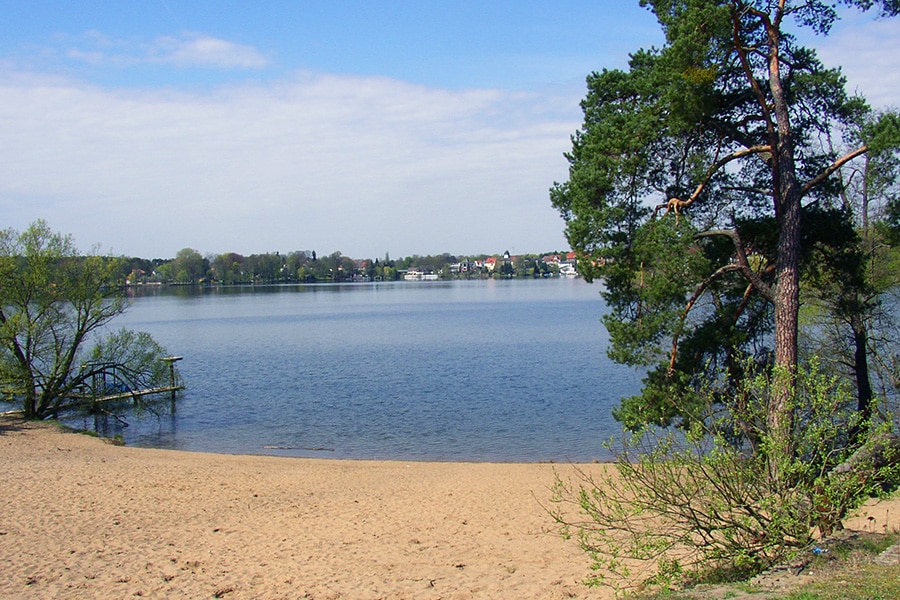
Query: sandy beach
[82, 518]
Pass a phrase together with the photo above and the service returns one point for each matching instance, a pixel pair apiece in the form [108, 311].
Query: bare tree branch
[677, 204]
[832, 168]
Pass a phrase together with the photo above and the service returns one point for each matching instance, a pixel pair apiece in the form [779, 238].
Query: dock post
[172, 360]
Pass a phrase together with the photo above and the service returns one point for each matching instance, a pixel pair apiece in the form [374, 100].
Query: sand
[82, 518]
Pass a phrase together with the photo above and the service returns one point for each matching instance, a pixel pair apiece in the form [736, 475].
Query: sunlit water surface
[461, 371]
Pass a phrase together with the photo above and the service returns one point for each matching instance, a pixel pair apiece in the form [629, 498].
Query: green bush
[704, 502]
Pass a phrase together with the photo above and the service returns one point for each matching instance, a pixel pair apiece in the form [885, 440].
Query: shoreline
[86, 518]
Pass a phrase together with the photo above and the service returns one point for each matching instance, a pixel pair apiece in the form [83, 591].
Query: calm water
[462, 371]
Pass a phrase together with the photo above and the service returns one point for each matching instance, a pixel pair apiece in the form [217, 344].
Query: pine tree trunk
[861, 369]
[787, 305]
[787, 293]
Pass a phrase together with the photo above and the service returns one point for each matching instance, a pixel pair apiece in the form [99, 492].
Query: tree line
[190, 267]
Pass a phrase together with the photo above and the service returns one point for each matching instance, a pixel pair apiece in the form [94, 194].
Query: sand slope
[85, 519]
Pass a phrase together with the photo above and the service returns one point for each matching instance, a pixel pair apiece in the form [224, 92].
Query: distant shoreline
[162, 284]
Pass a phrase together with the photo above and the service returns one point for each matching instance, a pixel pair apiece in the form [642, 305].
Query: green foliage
[54, 301]
[707, 504]
[188, 267]
[134, 356]
[883, 133]
[648, 292]
[700, 191]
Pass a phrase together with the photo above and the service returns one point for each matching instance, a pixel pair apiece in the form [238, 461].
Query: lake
[485, 370]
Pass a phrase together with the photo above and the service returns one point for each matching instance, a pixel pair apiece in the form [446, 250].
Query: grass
[847, 572]
[862, 582]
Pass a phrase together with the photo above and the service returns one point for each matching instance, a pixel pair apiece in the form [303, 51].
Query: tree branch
[677, 204]
[832, 168]
[693, 300]
[745, 63]
[752, 276]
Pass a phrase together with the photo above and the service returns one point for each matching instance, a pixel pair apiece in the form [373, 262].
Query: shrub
[704, 502]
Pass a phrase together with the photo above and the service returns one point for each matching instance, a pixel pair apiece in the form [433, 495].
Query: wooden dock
[91, 399]
[94, 398]
[88, 398]
[173, 387]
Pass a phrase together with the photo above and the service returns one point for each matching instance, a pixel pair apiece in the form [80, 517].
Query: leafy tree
[228, 268]
[340, 267]
[136, 267]
[266, 268]
[843, 294]
[188, 266]
[295, 261]
[333, 268]
[53, 302]
[691, 187]
[700, 189]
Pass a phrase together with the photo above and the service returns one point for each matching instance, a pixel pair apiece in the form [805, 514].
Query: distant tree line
[190, 267]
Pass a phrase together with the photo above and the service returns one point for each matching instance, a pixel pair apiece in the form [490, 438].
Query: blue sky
[361, 127]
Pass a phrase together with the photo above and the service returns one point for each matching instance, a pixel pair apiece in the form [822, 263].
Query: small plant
[116, 440]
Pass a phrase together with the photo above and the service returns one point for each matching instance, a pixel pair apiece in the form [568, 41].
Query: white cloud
[361, 165]
[867, 51]
[201, 50]
[185, 50]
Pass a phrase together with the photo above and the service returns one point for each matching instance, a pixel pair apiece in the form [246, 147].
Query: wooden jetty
[93, 398]
[173, 387]
[130, 394]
